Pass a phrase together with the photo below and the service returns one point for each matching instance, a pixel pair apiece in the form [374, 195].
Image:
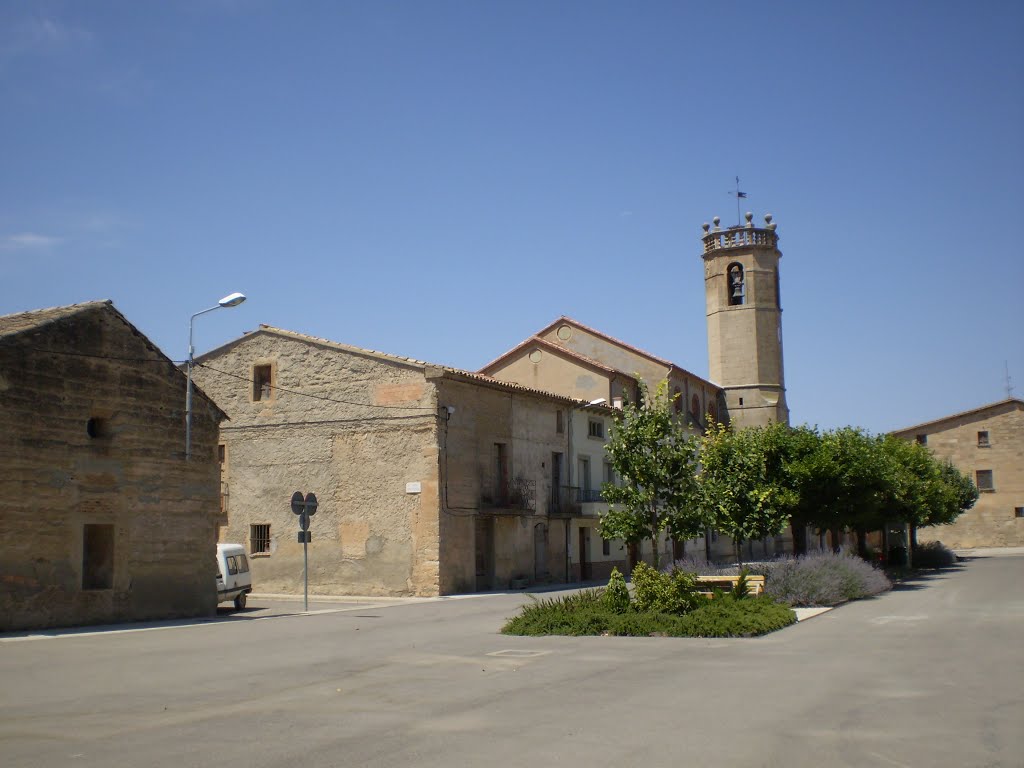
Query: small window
[606, 547]
[984, 480]
[983, 439]
[921, 439]
[741, 401]
[98, 557]
[596, 428]
[97, 428]
[222, 454]
[259, 539]
[262, 382]
[559, 421]
[1018, 511]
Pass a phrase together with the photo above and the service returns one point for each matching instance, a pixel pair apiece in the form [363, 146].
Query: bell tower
[744, 317]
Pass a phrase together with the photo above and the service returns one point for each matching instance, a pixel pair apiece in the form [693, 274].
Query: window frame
[255, 529]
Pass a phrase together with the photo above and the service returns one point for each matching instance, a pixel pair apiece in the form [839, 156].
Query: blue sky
[442, 179]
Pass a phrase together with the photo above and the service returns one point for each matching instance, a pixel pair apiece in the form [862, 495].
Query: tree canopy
[656, 461]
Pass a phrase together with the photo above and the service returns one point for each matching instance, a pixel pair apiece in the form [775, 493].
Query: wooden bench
[708, 584]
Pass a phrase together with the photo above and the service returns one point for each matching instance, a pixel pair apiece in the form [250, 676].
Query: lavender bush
[933, 554]
[815, 579]
[822, 579]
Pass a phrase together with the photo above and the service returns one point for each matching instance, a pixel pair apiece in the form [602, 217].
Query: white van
[234, 581]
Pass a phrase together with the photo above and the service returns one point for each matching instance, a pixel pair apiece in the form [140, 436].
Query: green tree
[743, 484]
[656, 461]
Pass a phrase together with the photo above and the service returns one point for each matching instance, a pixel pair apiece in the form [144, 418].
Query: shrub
[730, 617]
[635, 624]
[741, 589]
[933, 554]
[823, 578]
[576, 614]
[657, 592]
[616, 595]
[723, 617]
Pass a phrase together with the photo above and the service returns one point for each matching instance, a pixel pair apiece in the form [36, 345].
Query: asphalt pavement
[927, 675]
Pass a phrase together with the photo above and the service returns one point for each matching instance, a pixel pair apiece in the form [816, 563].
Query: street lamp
[231, 300]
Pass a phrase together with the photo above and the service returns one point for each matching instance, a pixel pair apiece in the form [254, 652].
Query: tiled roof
[961, 415]
[20, 322]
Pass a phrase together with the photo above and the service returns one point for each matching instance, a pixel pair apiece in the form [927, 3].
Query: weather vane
[739, 196]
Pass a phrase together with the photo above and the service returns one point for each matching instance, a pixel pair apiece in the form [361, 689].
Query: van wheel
[240, 602]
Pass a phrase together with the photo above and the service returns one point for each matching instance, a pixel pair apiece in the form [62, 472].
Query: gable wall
[132, 476]
[370, 535]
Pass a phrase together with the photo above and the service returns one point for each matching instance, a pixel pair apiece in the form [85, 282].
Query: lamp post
[231, 300]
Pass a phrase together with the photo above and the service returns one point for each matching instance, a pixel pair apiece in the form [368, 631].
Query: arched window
[737, 287]
[677, 400]
[695, 407]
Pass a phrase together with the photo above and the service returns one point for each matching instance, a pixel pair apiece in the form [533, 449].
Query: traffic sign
[311, 504]
[298, 503]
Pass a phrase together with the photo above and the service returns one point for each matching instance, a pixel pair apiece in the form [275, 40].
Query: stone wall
[92, 434]
[992, 522]
[357, 429]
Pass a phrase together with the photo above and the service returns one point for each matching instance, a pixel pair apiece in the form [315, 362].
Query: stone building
[573, 359]
[430, 480]
[987, 444]
[101, 517]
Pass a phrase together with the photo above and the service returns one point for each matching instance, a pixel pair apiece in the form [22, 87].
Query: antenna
[1009, 381]
[739, 196]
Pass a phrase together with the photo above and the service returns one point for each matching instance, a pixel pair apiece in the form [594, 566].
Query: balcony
[519, 497]
[571, 501]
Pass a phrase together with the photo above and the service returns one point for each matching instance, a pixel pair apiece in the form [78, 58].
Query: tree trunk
[655, 537]
[836, 534]
[913, 536]
[799, 538]
[738, 544]
[862, 543]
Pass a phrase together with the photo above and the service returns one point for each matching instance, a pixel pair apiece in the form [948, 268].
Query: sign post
[305, 508]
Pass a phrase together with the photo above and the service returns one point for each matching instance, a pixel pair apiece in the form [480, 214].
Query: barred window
[984, 480]
[259, 539]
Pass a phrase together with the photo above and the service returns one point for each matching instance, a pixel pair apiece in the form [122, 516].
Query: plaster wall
[554, 373]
